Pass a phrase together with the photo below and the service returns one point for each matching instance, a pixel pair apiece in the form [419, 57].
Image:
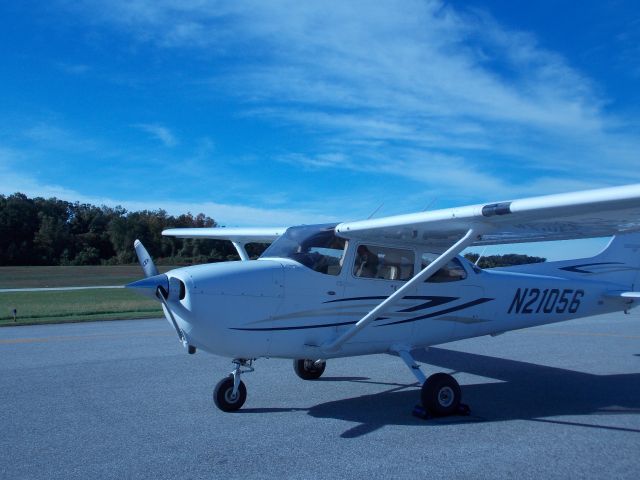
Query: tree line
[507, 260]
[39, 231]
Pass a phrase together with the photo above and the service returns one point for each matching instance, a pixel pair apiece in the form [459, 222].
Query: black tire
[222, 395]
[307, 369]
[441, 394]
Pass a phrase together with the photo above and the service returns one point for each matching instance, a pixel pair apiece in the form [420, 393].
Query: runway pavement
[124, 400]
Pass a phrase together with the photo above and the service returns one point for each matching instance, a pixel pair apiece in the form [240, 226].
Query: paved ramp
[123, 399]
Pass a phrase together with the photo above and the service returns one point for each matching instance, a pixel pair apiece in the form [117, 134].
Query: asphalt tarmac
[124, 400]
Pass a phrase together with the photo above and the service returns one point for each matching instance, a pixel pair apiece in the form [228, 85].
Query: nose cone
[149, 286]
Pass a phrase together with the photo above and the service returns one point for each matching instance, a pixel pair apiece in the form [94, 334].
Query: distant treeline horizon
[38, 231]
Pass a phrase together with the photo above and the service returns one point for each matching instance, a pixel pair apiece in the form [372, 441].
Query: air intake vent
[183, 290]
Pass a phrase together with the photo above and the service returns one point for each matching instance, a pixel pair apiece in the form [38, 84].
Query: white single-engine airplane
[395, 284]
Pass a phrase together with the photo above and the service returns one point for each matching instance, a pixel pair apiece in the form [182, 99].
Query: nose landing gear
[230, 392]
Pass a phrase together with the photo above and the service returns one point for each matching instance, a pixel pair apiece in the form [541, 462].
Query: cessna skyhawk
[395, 284]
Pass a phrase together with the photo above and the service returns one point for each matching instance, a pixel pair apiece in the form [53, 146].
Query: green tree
[507, 260]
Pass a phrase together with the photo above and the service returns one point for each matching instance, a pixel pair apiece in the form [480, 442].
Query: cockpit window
[451, 272]
[314, 246]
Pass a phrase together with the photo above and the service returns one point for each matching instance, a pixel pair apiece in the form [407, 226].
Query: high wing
[242, 235]
[592, 213]
[238, 236]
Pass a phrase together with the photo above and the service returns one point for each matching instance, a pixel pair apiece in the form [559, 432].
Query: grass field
[77, 305]
[39, 277]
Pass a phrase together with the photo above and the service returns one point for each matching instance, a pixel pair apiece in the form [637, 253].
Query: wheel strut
[242, 366]
[230, 392]
[440, 394]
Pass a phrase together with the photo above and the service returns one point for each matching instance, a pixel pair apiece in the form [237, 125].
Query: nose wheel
[230, 392]
[225, 398]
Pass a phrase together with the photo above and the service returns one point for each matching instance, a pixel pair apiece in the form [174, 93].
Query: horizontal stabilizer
[620, 294]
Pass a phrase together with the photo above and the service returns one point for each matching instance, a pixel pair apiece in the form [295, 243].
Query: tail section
[618, 263]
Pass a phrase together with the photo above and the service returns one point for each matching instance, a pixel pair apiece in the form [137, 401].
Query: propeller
[154, 285]
[144, 259]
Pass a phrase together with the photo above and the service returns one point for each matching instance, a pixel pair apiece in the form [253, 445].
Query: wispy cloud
[159, 132]
[226, 214]
[55, 137]
[73, 68]
[411, 88]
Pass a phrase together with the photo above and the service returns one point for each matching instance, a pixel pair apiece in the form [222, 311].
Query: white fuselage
[276, 307]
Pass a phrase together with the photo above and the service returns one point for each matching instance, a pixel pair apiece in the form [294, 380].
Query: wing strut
[244, 256]
[386, 304]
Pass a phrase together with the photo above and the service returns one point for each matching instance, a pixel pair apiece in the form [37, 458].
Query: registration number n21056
[549, 300]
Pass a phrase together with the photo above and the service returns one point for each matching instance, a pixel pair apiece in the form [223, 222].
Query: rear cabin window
[451, 272]
[383, 262]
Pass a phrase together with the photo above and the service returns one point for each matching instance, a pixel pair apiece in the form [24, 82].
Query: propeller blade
[157, 287]
[144, 259]
[149, 286]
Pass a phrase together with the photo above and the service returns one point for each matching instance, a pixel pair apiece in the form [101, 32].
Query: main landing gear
[308, 369]
[440, 393]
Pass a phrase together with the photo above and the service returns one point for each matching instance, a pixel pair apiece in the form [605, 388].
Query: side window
[321, 254]
[328, 259]
[383, 262]
[451, 272]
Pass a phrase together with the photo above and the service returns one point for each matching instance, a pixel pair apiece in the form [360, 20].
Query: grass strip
[75, 306]
[80, 276]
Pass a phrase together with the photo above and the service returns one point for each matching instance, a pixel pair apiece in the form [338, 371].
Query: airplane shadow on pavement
[525, 391]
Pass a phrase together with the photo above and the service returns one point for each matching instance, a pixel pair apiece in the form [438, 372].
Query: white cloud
[224, 213]
[54, 137]
[73, 68]
[159, 132]
[417, 73]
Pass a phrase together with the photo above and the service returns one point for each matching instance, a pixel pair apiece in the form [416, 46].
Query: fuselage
[280, 307]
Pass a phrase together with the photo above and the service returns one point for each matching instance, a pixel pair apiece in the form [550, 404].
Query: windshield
[314, 246]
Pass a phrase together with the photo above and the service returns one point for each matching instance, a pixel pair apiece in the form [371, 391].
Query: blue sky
[282, 112]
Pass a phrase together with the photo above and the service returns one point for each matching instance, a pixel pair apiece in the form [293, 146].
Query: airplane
[396, 284]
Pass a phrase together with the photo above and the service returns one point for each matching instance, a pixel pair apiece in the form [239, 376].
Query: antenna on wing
[480, 256]
[429, 204]
[375, 211]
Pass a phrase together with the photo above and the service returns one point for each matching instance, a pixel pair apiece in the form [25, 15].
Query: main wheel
[441, 394]
[308, 369]
[224, 398]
